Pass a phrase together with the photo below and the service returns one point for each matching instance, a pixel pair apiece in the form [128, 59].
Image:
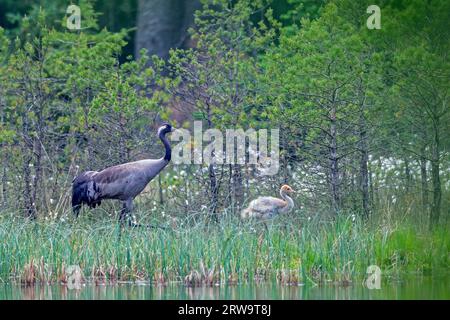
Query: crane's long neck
[289, 202]
[154, 166]
[166, 143]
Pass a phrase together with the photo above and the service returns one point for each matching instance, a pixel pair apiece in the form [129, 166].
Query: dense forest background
[364, 114]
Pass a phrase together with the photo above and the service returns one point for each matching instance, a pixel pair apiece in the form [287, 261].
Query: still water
[412, 288]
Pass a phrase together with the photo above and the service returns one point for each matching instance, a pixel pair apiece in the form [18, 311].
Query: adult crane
[122, 182]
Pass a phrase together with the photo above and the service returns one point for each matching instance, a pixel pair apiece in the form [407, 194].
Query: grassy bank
[307, 251]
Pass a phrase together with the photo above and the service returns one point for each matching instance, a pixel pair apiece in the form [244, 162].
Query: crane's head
[165, 128]
[287, 190]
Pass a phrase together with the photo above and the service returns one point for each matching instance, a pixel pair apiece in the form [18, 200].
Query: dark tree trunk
[30, 209]
[27, 151]
[424, 182]
[163, 24]
[371, 186]
[3, 159]
[89, 150]
[4, 184]
[408, 178]
[213, 186]
[38, 174]
[334, 168]
[39, 189]
[436, 206]
[377, 181]
[238, 186]
[363, 168]
[435, 176]
[214, 189]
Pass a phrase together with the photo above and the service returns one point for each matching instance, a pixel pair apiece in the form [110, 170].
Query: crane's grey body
[122, 182]
[126, 181]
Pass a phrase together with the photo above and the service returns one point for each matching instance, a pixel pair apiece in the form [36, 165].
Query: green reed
[292, 250]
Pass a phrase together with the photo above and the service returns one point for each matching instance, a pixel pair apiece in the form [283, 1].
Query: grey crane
[122, 182]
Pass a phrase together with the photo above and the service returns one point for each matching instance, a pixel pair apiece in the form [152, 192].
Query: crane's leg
[122, 214]
[125, 214]
[127, 207]
[76, 210]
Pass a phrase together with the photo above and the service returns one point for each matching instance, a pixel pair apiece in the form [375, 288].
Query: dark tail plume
[84, 191]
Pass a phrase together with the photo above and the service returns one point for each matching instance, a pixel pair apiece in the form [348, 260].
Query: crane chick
[264, 208]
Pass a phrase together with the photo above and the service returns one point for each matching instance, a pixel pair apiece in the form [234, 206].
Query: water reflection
[413, 288]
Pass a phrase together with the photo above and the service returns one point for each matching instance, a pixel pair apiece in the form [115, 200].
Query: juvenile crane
[264, 208]
[122, 182]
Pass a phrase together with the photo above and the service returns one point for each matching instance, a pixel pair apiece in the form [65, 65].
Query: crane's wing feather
[265, 205]
[125, 180]
[85, 190]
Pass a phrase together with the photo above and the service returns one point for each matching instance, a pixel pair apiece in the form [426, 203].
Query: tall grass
[291, 251]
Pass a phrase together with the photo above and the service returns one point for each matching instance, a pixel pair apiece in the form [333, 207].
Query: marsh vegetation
[364, 140]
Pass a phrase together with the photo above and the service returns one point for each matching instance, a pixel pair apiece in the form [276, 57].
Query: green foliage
[217, 77]
[65, 90]
[318, 86]
[337, 251]
[363, 116]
